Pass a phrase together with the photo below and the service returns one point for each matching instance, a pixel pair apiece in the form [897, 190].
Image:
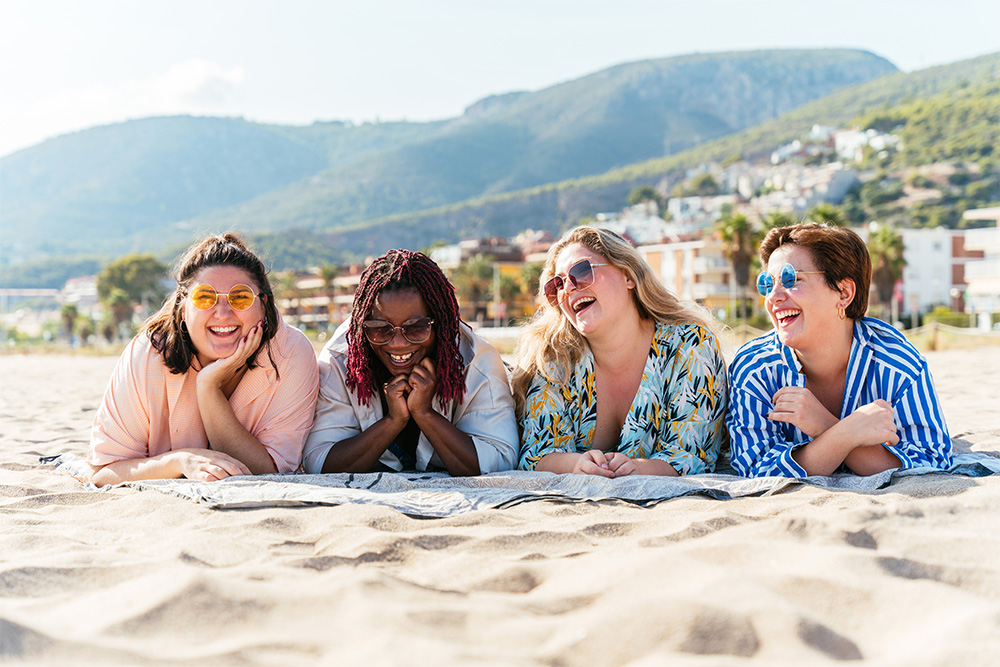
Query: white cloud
[192, 86]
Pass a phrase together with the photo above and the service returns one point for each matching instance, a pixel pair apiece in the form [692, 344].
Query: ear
[847, 291]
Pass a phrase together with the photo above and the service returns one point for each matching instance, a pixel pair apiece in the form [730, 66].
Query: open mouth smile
[581, 303]
[787, 316]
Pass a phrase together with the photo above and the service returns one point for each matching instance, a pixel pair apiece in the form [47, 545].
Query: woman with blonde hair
[615, 376]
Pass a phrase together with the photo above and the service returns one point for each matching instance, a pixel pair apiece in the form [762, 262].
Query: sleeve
[335, 420]
[545, 427]
[693, 432]
[759, 447]
[289, 416]
[121, 426]
[923, 434]
[488, 416]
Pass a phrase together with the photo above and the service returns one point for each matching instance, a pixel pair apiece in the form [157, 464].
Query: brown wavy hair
[166, 328]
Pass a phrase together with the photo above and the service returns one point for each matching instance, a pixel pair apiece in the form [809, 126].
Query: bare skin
[409, 394]
[806, 319]
[619, 339]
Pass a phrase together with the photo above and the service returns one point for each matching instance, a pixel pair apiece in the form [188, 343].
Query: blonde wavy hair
[551, 346]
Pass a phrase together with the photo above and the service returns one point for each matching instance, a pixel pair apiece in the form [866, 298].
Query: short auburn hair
[839, 253]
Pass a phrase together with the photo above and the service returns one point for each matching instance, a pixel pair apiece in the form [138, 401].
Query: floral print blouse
[677, 415]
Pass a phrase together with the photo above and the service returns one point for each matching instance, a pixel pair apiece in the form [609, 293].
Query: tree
[827, 213]
[776, 219]
[704, 184]
[644, 193]
[138, 276]
[327, 273]
[885, 245]
[68, 314]
[739, 245]
[473, 280]
[120, 305]
[531, 273]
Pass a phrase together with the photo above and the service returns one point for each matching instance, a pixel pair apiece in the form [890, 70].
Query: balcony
[982, 269]
[706, 290]
[986, 239]
[701, 265]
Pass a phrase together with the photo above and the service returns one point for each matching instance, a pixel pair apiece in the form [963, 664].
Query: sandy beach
[906, 575]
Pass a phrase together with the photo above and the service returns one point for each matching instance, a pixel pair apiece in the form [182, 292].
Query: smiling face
[805, 315]
[216, 332]
[600, 305]
[399, 355]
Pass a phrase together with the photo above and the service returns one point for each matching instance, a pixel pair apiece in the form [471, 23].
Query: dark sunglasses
[788, 276]
[204, 297]
[380, 332]
[580, 274]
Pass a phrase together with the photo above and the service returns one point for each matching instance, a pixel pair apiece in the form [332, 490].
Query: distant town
[952, 272]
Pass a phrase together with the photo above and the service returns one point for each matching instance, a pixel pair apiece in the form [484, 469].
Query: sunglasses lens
[379, 333]
[788, 277]
[765, 284]
[203, 297]
[552, 287]
[417, 332]
[241, 297]
[581, 274]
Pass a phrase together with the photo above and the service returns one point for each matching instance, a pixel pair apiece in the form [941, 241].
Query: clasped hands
[871, 424]
[410, 394]
[604, 464]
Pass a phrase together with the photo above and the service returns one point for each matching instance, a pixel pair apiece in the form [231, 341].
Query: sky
[66, 65]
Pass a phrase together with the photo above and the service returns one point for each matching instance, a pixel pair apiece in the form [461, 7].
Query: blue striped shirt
[883, 364]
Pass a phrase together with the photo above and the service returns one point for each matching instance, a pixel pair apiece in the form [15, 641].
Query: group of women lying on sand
[614, 376]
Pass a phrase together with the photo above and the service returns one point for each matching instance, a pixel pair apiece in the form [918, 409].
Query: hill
[140, 185]
[958, 92]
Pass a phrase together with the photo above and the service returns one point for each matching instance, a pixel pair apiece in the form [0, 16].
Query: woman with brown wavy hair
[216, 384]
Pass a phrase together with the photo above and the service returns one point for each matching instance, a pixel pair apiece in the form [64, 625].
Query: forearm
[871, 460]
[824, 455]
[226, 434]
[654, 467]
[558, 462]
[455, 448]
[361, 452]
[164, 466]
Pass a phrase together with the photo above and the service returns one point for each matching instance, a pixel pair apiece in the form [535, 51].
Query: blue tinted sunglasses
[788, 277]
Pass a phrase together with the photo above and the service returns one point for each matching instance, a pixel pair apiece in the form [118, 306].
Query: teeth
[223, 330]
[401, 358]
[784, 314]
[581, 303]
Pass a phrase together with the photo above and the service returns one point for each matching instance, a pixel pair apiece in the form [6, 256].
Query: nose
[398, 340]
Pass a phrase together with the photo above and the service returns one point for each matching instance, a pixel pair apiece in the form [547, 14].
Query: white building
[983, 276]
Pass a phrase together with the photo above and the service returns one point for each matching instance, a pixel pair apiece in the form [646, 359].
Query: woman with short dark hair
[828, 387]
[406, 385]
[216, 384]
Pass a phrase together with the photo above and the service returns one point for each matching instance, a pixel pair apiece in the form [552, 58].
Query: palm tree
[885, 245]
[473, 280]
[739, 245]
[327, 273]
[68, 314]
[776, 219]
[825, 212]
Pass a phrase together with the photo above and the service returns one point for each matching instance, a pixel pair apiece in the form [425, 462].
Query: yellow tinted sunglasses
[204, 297]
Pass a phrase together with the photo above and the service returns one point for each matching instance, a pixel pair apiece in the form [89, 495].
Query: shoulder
[290, 343]
[757, 354]
[890, 347]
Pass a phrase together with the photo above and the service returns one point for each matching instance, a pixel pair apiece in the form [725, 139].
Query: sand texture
[905, 575]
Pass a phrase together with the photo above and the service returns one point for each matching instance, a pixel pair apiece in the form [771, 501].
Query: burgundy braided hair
[397, 271]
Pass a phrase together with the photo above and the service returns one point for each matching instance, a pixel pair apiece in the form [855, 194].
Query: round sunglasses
[204, 297]
[581, 275]
[788, 276]
[380, 332]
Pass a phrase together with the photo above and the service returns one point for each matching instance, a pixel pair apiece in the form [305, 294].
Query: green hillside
[612, 118]
[962, 93]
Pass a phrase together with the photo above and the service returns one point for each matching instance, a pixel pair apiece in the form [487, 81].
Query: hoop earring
[840, 313]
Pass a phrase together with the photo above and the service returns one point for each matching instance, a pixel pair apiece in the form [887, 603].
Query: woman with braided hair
[405, 384]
